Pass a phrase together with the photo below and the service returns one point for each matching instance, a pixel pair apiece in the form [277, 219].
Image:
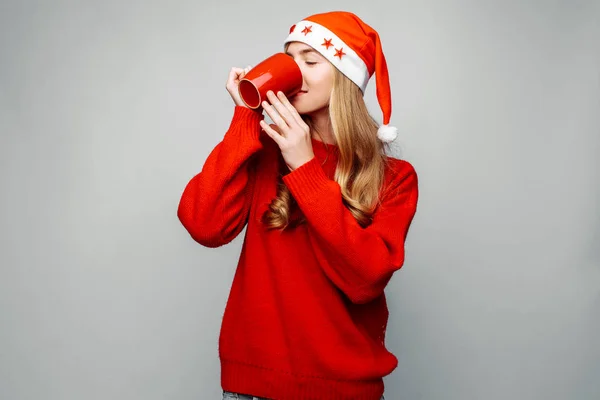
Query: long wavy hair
[361, 161]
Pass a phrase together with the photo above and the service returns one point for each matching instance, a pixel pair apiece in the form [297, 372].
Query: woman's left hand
[293, 137]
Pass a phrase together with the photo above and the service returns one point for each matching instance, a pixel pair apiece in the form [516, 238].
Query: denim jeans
[237, 396]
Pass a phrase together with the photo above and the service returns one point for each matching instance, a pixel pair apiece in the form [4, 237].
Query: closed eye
[310, 62]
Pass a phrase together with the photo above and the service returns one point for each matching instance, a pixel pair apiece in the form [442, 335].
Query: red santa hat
[354, 48]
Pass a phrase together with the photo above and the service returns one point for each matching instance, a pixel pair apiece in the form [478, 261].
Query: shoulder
[398, 170]
[397, 166]
[400, 181]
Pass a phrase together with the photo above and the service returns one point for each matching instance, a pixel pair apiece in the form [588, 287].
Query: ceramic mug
[278, 72]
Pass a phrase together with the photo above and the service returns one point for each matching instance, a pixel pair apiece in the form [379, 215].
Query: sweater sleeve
[215, 203]
[359, 261]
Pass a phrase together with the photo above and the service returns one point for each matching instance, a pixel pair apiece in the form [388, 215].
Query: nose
[300, 66]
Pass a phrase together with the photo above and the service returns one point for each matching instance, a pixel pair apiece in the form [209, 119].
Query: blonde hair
[361, 161]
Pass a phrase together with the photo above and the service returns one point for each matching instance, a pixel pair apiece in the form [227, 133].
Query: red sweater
[307, 314]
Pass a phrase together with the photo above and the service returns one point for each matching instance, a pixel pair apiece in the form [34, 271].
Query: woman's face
[317, 74]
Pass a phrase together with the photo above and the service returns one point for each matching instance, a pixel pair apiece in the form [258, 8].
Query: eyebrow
[303, 51]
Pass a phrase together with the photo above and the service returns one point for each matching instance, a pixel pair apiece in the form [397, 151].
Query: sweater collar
[323, 150]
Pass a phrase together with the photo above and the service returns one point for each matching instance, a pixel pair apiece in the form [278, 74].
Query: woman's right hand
[233, 81]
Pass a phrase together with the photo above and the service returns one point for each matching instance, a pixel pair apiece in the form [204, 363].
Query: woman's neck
[321, 124]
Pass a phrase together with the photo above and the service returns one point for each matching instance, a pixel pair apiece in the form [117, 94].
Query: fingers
[277, 112]
[286, 113]
[292, 110]
[279, 121]
[272, 133]
[233, 74]
[244, 72]
[236, 74]
[276, 128]
[281, 108]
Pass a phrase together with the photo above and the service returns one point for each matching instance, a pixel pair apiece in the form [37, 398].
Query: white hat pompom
[387, 133]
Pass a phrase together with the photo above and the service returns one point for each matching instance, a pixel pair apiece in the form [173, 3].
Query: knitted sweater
[306, 315]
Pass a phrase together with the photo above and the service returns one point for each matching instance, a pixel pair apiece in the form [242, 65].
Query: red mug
[277, 73]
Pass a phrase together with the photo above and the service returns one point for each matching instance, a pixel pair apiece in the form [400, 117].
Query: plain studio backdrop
[108, 108]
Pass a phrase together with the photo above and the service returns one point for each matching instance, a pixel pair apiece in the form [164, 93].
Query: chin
[305, 107]
[299, 106]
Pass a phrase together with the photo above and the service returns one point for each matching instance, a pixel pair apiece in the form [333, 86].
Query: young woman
[327, 214]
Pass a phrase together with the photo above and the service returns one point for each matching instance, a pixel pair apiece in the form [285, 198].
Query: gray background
[107, 109]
